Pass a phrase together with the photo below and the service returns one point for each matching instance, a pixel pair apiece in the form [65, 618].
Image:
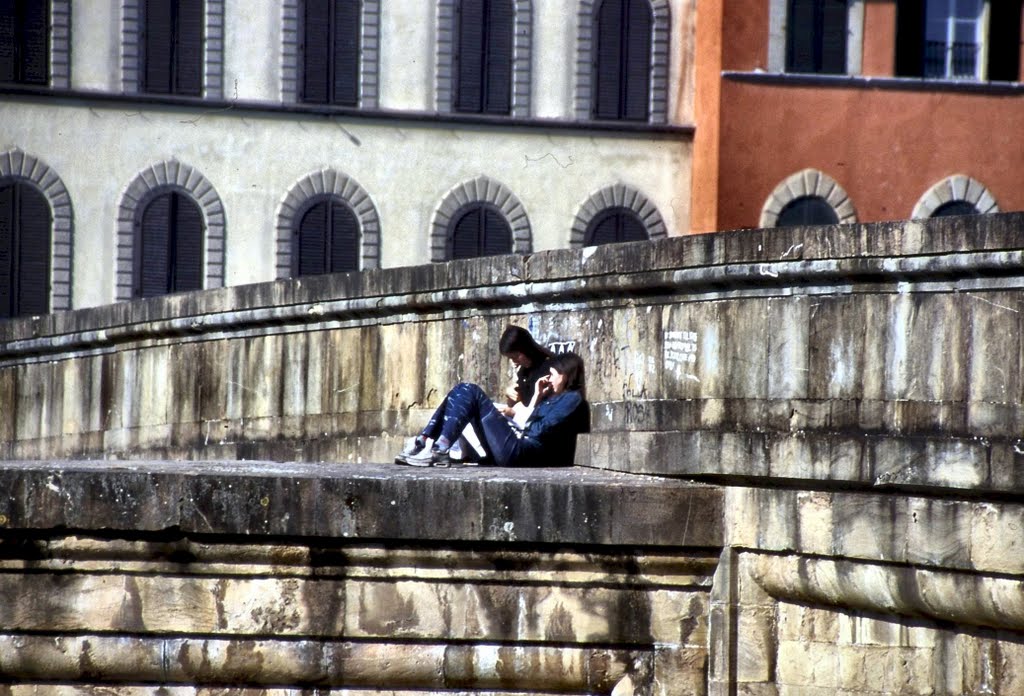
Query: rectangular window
[25, 41]
[816, 36]
[172, 46]
[958, 39]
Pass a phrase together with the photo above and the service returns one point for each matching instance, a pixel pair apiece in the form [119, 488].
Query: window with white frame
[959, 39]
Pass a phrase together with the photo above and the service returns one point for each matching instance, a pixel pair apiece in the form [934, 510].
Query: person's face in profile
[519, 359]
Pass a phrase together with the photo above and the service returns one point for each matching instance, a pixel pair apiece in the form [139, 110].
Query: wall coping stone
[561, 506]
[946, 254]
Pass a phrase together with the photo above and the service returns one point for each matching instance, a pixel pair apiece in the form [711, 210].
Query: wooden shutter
[188, 47]
[637, 68]
[807, 210]
[497, 90]
[832, 49]
[187, 236]
[469, 56]
[157, 46]
[34, 244]
[344, 238]
[607, 73]
[615, 225]
[464, 240]
[309, 244]
[347, 30]
[480, 231]
[7, 225]
[800, 34]
[153, 249]
[316, 55]
[910, 38]
[1004, 41]
[8, 36]
[497, 235]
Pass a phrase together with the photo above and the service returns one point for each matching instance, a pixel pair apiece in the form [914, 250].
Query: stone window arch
[953, 189]
[612, 197]
[482, 189]
[522, 56]
[132, 81]
[660, 59]
[16, 164]
[316, 186]
[809, 183]
[160, 178]
[369, 52]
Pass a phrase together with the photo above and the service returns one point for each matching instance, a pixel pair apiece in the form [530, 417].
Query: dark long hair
[570, 366]
[516, 339]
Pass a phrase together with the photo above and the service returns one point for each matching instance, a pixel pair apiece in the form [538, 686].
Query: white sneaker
[413, 449]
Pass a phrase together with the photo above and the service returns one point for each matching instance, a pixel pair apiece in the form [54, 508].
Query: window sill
[916, 84]
[226, 107]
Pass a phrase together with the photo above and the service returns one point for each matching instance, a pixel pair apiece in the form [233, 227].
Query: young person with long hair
[558, 412]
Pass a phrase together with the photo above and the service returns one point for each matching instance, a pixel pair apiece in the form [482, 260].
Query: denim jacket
[550, 433]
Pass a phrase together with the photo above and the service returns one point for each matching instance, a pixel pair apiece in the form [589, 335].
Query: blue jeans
[467, 404]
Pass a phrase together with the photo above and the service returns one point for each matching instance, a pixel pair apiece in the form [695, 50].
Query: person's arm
[550, 418]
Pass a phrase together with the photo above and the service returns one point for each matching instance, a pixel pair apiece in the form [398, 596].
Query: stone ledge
[574, 506]
[937, 464]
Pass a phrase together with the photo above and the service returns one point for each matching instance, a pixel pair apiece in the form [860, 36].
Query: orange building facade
[817, 111]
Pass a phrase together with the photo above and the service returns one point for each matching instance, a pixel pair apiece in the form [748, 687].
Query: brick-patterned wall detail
[15, 164]
[958, 187]
[369, 53]
[157, 179]
[522, 56]
[617, 196]
[213, 41]
[482, 189]
[809, 182]
[337, 185]
[660, 56]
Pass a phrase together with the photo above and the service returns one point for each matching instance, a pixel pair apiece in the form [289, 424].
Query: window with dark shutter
[25, 41]
[326, 240]
[483, 56]
[816, 36]
[807, 210]
[952, 208]
[622, 60]
[331, 51]
[25, 244]
[172, 46]
[478, 230]
[615, 225]
[169, 246]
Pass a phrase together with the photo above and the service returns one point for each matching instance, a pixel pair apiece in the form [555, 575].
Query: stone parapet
[873, 355]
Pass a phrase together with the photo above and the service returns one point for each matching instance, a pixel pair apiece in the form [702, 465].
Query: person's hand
[512, 393]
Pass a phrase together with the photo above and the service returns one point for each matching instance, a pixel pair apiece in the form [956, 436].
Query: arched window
[478, 230]
[331, 51]
[955, 208]
[613, 225]
[169, 246]
[483, 56]
[172, 46]
[622, 60]
[25, 42]
[326, 239]
[25, 229]
[807, 210]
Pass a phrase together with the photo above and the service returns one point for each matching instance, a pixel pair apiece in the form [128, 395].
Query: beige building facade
[250, 154]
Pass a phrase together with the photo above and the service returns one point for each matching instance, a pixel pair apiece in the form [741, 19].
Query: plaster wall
[253, 160]
[252, 50]
[885, 146]
[96, 49]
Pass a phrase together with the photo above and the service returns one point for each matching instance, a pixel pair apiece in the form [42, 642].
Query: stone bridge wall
[802, 476]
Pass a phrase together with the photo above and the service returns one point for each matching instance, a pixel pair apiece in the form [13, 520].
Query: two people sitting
[537, 427]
